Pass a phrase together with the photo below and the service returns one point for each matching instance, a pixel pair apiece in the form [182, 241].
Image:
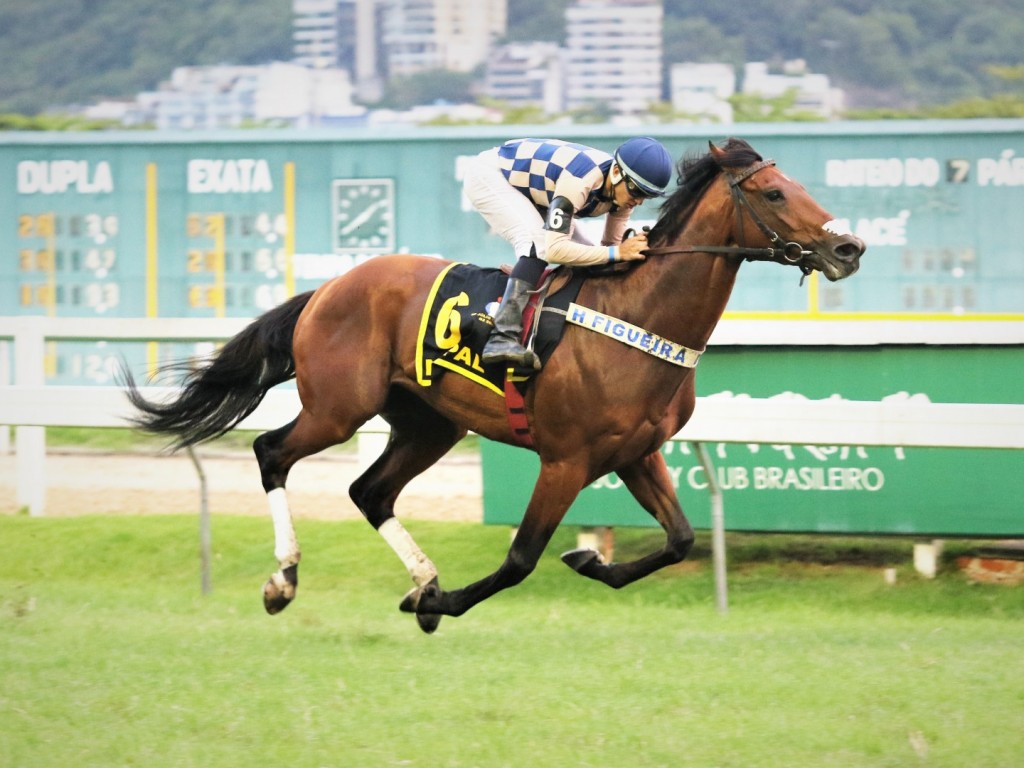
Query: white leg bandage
[286, 546]
[417, 563]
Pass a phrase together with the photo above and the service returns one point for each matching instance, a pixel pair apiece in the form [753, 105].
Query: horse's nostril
[850, 249]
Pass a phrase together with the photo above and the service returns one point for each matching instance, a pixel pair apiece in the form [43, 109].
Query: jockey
[531, 190]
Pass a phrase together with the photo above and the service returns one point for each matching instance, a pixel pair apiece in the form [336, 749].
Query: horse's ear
[715, 151]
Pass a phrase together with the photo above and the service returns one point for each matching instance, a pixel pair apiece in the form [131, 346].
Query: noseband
[791, 252]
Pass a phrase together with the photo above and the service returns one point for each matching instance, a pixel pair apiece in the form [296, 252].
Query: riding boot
[503, 344]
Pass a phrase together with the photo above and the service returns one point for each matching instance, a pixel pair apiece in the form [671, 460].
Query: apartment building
[814, 92]
[216, 97]
[614, 54]
[315, 32]
[456, 35]
[378, 39]
[527, 74]
[701, 91]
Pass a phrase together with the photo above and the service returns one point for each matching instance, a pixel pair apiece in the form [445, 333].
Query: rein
[791, 252]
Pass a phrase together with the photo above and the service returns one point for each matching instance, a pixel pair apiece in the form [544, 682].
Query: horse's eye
[774, 195]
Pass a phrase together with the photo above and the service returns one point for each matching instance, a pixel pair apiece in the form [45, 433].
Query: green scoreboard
[228, 224]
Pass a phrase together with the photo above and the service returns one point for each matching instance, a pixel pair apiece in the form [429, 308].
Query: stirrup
[505, 349]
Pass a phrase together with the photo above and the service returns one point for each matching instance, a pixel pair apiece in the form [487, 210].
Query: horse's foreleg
[420, 567]
[557, 487]
[649, 482]
[419, 437]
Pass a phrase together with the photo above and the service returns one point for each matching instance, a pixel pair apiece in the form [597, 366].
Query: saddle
[457, 320]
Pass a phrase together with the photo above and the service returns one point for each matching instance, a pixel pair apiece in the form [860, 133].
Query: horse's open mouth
[834, 269]
[838, 258]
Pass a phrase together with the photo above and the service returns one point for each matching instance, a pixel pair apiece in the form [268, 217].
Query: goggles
[634, 190]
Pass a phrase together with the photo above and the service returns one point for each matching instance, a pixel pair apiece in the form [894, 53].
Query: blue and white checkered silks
[537, 166]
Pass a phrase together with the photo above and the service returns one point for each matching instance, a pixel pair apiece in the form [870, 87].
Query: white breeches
[506, 210]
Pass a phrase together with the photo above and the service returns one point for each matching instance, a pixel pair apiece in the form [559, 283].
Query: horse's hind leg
[419, 437]
[649, 482]
[277, 451]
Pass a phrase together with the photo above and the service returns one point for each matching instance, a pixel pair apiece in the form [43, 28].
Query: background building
[527, 74]
[205, 98]
[701, 91]
[379, 39]
[613, 54]
[315, 29]
[814, 93]
[344, 34]
[457, 35]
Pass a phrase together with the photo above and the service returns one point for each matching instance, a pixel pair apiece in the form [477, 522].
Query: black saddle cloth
[456, 324]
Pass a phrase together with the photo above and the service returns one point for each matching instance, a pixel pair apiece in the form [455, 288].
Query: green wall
[831, 489]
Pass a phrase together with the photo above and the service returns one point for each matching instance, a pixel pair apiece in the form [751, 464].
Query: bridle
[791, 252]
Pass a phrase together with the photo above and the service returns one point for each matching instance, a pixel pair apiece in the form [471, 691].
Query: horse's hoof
[279, 590]
[274, 598]
[414, 599]
[428, 621]
[418, 598]
[582, 560]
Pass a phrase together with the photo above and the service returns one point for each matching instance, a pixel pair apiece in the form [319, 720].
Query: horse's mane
[696, 172]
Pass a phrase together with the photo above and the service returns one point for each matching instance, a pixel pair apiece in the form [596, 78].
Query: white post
[205, 537]
[926, 557]
[5, 379]
[717, 529]
[30, 442]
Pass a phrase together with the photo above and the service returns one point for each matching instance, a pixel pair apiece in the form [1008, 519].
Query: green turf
[109, 656]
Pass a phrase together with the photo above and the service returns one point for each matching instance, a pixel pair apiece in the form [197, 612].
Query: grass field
[109, 656]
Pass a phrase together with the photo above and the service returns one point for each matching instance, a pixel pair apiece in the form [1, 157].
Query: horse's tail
[216, 396]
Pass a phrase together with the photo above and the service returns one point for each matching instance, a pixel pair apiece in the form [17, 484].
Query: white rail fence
[31, 406]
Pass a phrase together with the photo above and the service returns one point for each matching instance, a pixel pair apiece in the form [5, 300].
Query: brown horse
[596, 407]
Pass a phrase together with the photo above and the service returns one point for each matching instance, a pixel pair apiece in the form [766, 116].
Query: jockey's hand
[631, 249]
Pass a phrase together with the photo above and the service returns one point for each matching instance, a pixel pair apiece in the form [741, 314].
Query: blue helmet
[646, 163]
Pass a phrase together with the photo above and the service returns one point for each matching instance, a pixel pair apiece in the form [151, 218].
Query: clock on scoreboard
[364, 215]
